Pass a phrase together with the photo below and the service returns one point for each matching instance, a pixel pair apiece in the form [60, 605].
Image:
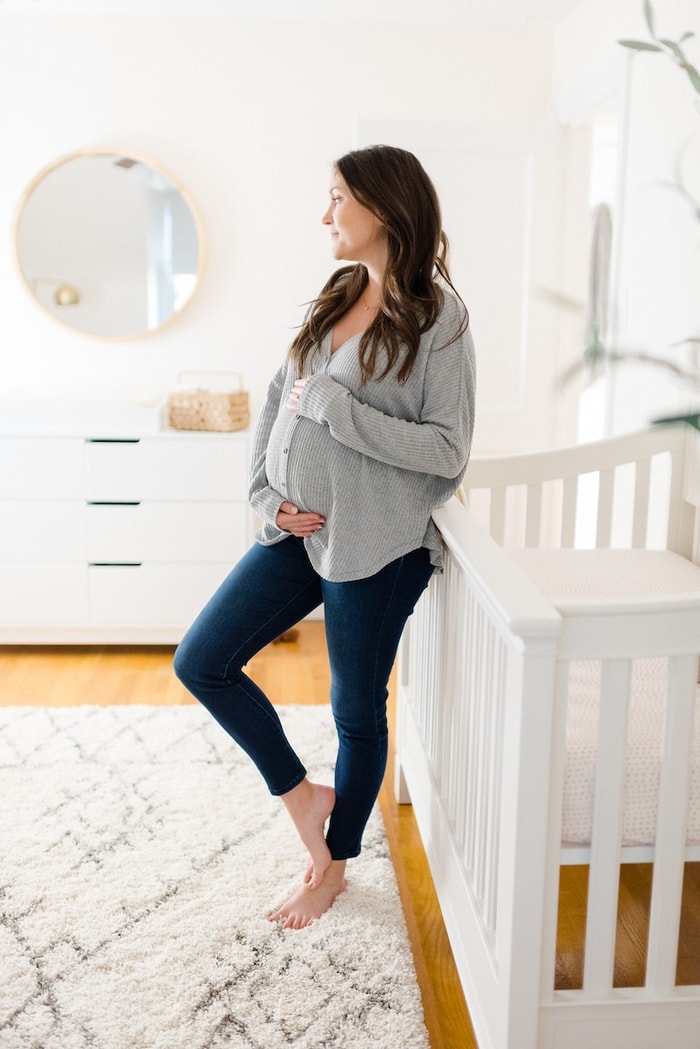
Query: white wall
[249, 116]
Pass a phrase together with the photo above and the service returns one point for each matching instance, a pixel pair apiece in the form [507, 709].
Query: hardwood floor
[632, 926]
[291, 672]
[296, 672]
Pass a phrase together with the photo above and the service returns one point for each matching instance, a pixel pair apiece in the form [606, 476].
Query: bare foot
[306, 904]
[310, 805]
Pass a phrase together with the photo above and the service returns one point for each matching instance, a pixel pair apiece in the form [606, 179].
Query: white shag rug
[139, 855]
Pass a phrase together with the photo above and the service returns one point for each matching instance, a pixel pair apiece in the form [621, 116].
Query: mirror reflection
[108, 243]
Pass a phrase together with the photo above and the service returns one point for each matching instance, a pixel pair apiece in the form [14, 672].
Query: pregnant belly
[317, 465]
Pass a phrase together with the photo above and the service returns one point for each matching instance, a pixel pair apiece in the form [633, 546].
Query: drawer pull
[108, 502]
[115, 564]
[112, 440]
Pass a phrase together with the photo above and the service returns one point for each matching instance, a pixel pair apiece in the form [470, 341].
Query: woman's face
[357, 235]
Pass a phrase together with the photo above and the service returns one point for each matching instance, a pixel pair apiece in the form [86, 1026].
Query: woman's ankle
[309, 806]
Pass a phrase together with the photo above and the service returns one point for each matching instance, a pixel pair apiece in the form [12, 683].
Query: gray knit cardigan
[375, 458]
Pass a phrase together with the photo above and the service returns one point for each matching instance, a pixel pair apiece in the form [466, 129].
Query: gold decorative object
[66, 295]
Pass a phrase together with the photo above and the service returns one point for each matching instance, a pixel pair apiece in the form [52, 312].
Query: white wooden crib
[566, 625]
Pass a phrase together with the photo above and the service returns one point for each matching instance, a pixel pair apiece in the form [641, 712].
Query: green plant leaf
[640, 45]
[673, 46]
[682, 342]
[694, 76]
[686, 36]
[649, 15]
[693, 419]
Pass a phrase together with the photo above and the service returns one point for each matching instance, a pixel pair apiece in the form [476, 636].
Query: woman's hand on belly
[291, 519]
[295, 394]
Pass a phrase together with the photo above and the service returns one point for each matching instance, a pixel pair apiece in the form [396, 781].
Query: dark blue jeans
[270, 590]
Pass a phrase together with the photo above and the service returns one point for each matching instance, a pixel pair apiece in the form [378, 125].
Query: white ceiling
[465, 12]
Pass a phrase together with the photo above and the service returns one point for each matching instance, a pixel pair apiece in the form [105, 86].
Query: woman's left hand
[295, 394]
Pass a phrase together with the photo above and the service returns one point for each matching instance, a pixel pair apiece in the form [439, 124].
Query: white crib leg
[400, 786]
[401, 792]
[603, 881]
[667, 888]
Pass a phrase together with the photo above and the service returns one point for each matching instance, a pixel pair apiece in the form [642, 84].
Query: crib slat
[606, 488]
[482, 766]
[472, 756]
[459, 742]
[497, 515]
[568, 510]
[672, 817]
[682, 517]
[601, 921]
[472, 613]
[642, 484]
[495, 777]
[446, 690]
[533, 520]
[556, 807]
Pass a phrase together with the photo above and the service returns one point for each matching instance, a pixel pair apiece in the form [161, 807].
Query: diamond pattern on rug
[140, 854]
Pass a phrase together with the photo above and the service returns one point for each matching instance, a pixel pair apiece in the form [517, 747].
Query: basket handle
[182, 379]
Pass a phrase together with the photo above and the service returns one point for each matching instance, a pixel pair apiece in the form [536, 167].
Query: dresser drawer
[42, 468]
[199, 467]
[167, 531]
[117, 540]
[40, 595]
[42, 531]
[166, 595]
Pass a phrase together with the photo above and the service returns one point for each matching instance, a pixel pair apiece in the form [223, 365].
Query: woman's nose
[327, 217]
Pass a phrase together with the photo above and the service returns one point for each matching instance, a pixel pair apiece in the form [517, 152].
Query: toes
[290, 921]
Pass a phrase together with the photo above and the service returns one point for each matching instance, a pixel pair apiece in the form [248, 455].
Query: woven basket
[200, 408]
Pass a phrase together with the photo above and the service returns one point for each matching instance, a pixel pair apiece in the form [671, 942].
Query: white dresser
[116, 539]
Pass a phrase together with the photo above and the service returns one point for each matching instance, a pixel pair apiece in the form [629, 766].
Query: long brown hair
[393, 185]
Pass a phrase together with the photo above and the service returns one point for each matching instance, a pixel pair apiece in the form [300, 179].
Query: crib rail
[599, 494]
[474, 759]
[481, 753]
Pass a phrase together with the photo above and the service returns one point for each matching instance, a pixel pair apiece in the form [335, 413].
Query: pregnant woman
[366, 429]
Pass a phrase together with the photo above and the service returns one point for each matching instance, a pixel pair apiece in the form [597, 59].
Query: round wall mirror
[108, 243]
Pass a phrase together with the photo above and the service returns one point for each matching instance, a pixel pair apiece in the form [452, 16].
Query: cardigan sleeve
[438, 444]
[264, 499]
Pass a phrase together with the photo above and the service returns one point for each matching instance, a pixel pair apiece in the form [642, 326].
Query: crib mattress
[568, 577]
